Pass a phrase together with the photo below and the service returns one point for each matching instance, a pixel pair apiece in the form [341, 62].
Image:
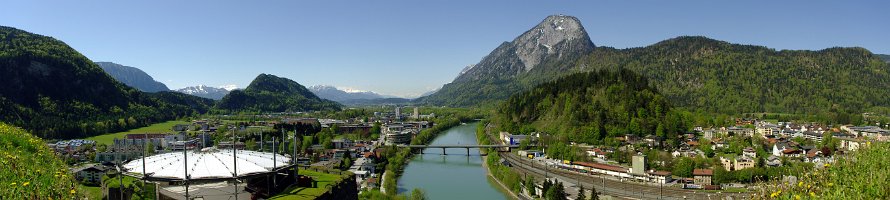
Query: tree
[390, 184]
[101, 148]
[418, 194]
[684, 167]
[581, 195]
[149, 148]
[251, 144]
[530, 185]
[594, 195]
[555, 192]
[722, 176]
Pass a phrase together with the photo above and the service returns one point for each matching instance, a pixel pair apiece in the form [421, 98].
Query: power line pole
[185, 164]
[235, 163]
[144, 139]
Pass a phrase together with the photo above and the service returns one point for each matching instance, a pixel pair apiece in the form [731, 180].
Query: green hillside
[592, 108]
[703, 74]
[270, 93]
[699, 73]
[55, 92]
[31, 170]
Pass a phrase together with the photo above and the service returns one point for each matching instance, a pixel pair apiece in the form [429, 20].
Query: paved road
[613, 187]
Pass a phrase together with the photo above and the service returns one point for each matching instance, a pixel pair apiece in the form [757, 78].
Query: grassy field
[324, 179]
[30, 170]
[163, 127]
[92, 192]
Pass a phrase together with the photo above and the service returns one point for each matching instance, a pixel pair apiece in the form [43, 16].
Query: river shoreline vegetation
[397, 158]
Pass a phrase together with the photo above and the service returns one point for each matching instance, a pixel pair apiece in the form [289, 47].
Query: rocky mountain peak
[555, 38]
[542, 40]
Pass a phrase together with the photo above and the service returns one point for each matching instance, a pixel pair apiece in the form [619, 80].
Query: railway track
[613, 187]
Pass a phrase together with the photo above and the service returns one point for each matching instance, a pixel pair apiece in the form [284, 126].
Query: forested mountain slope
[55, 92]
[133, 77]
[270, 93]
[591, 107]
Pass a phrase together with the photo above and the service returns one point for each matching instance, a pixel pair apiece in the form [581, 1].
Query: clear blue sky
[407, 47]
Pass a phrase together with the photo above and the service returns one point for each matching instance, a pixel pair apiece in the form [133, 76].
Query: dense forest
[55, 92]
[270, 93]
[884, 57]
[699, 73]
[592, 107]
[706, 75]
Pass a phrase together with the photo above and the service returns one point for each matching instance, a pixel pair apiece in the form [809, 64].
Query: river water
[451, 176]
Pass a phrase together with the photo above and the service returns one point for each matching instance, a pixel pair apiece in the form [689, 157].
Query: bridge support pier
[468, 151]
[443, 151]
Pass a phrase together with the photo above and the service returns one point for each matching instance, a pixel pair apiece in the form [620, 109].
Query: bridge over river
[461, 146]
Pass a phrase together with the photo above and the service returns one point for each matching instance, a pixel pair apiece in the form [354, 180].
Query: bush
[30, 170]
[864, 174]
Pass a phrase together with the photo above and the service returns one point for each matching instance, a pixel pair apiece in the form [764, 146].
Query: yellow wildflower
[12, 184]
[812, 194]
[830, 184]
[797, 197]
[800, 184]
[827, 165]
[73, 191]
[26, 184]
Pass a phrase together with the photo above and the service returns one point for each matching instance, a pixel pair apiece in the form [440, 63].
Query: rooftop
[207, 164]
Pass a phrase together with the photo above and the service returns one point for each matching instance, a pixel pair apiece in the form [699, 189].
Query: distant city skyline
[407, 48]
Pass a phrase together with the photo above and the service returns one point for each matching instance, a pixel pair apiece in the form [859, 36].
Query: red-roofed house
[702, 176]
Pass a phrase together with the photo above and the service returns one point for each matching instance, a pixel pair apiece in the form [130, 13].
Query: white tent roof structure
[207, 164]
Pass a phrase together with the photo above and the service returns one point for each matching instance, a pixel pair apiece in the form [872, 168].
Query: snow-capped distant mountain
[343, 95]
[428, 93]
[229, 87]
[215, 93]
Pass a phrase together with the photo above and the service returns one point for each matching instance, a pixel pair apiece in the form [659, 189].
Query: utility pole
[185, 164]
[274, 164]
[294, 158]
[144, 139]
[120, 177]
[235, 163]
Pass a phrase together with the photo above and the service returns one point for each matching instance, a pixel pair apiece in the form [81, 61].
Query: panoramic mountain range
[215, 93]
[695, 73]
[344, 96]
[132, 77]
[54, 91]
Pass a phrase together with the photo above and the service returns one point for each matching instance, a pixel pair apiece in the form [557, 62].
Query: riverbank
[500, 185]
[399, 159]
[453, 175]
[491, 160]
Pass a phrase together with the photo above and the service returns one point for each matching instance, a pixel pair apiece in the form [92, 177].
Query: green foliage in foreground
[30, 170]
[863, 175]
